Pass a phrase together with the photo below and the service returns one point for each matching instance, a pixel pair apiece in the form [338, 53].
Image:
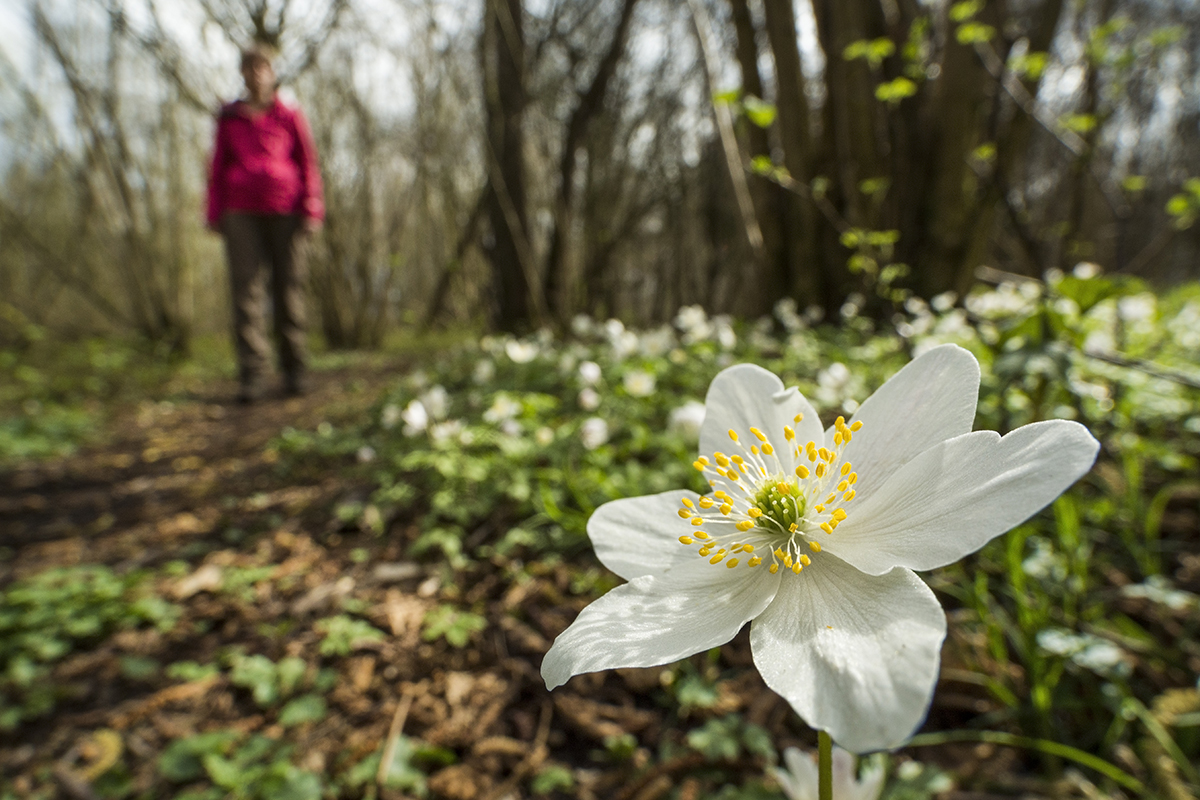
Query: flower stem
[824, 766]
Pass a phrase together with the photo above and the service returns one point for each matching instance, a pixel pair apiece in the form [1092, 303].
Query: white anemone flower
[594, 432]
[415, 417]
[639, 383]
[799, 780]
[589, 373]
[589, 399]
[814, 536]
[520, 352]
[687, 419]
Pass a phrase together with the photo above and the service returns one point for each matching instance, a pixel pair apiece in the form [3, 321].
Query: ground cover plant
[365, 611]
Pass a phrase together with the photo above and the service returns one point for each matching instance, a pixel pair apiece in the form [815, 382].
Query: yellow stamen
[722, 459]
[856, 427]
[697, 521]
[843, 486]
[745, 525]
[825, 527]
[726, 508]
[837, 439]
[733, 434]
[802, 471]
[683, 513]
[731, 474]
[814, 546]
[766, 448]
[731, 563]
[754, 562]
[717, 558]
[798, 418]
[754, 449]
[805, 560]
[688, 503]
[749, 548]
[820, 470]
[773, 568]
[853, 479]
[701, 534]
[839, 514]
[848, 496]
[846, 468]
[788, 433]
[686, 540]
[705, 502]
[755, 512]
[762, 437]
[796, 568]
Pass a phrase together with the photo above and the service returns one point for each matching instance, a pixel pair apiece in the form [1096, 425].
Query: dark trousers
[255, 243]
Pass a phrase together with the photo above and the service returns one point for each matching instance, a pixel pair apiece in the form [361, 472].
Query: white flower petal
[799, 781]
[955, 497]
[745, 396]
[929, 401]
[855, 655]
[659, 620]
[640, 535]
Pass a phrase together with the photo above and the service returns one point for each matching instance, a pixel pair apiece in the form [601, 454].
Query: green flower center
[781, 502]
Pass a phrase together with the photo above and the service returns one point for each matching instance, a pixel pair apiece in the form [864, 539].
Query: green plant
[343, 633]
[48, 616]
[456, 627]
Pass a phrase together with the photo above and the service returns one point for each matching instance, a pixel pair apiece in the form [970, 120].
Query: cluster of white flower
[1086, 650]
[1009, 299]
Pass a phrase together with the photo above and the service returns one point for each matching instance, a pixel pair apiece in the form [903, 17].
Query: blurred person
[264, 198]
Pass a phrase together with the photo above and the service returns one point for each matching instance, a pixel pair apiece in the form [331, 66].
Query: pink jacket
[264, 163]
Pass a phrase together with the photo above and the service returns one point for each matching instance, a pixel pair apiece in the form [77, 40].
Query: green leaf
[306, 708]
[974, 33]
[727, 97]
[256, 673]
[290, 671]
[893, 91]
[1079, 123]
[718, 740]
[1029, 65]
[552, 778]
[965, 10]
[693, 691]
[872, 51]
[759, 112]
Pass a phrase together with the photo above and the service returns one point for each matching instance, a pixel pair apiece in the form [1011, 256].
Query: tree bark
[801, 273]
[503, 54]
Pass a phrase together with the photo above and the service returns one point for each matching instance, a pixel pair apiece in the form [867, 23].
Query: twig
[389, 749]
[537, 755]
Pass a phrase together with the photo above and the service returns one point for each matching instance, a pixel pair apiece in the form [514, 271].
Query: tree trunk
[503, 54]
[801, 269]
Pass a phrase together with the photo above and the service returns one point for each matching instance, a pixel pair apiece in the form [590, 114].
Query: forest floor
[188, 491]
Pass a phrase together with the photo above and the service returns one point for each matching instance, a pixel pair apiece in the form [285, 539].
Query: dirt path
[170, 471]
